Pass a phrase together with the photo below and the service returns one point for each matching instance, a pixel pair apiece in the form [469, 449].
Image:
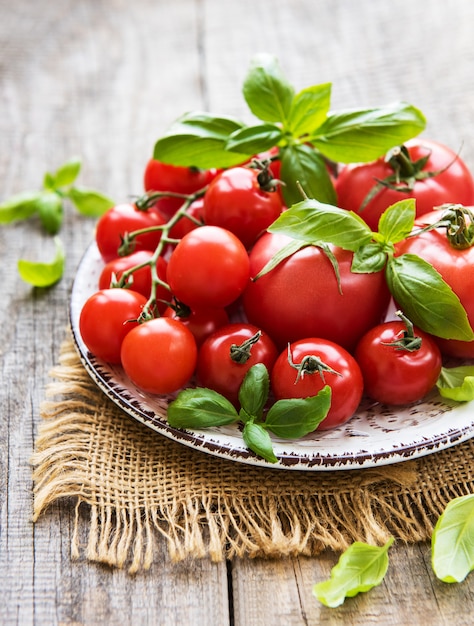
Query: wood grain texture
[102, 79]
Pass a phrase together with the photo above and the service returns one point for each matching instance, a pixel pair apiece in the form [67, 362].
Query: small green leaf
[66, 174]
[51, 212]
[309, 109]
[296, 417]
[89, 202]
[457, 383]
[254, 139]
[426, 299]
[303, 167]
[452, 541]
[368, 259]
[43, 274]
[363, 135]
[253, 392]
[360, 568]
[312, 221]
[284, 253]
[396, 222]
[267, 92]
[258, 440]
[199, 140]
[21, 206]
[200, 408]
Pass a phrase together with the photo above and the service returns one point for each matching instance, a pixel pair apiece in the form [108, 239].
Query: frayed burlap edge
[209, 507]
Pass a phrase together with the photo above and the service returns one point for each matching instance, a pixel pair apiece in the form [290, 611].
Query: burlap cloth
[137, 485]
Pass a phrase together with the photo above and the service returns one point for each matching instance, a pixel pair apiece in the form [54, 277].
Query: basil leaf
[312, 221]
[457, 383]
[200, 408]
[50, 209]
[199, 140]
[360, 568]
[258, 440]
[452, 541]
[89, 202]
[426, 299]
[309, 109]
[253, 392]
[397, 221]
[43, 274]
[303, 167]
[296, 417]
[254, 139]
[20, 206]
[363, 135]
[64, 176]
[267, 92]
[368, 259]
[289, 249]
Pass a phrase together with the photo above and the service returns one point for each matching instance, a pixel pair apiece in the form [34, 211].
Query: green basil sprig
[301, 124]
[420, 291]
[48, 205]
[288, 419]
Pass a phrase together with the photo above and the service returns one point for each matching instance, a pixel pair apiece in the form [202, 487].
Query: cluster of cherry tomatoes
[180, 300]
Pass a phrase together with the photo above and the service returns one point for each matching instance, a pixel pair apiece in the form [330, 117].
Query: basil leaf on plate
[200, 408]
[253, 392]
[457, 383]
[258, 440]
[296, 417]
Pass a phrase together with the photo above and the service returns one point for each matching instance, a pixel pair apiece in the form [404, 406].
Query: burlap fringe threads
[136, 485]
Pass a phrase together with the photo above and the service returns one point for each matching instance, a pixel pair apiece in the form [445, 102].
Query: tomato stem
[459, 223]
[407, 340]
[242, 353]
[310, 364]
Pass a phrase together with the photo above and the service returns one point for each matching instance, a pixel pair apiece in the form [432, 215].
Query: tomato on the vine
[308, 365]
[106, 318]
[208, 268]
[425, 170]
[159, 176]
[301, 297]
[185, 225]
[227, 355]
[123, 219]
[400, 364]
[159, 355]
[139, 280]
[454, 261]
[201, 322]
[244, 201]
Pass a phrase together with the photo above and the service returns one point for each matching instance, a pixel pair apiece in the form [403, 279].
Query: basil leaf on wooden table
[41, 274]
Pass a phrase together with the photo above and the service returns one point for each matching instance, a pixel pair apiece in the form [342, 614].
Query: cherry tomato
[300, 297]
[226, 356]
[106, 318]
[159, 356]
[140, 280]
[456, 266]
[201, 322]
[236, 201]
[208, 268]
[394, 374]
[122, 219]
[160, 176]
[318, 363]
[454, 183]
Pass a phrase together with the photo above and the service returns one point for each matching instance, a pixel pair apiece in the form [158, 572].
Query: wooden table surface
[102, 79]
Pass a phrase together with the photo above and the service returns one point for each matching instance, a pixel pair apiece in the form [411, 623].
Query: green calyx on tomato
[310, 364]
[301, 125]
[241, 353]
[417, 287]
[406, 340]
[459, 223]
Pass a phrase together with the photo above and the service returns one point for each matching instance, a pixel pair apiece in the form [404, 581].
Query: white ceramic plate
[376, 435]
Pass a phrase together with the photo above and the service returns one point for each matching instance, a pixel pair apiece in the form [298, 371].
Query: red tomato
[159, 356]
[160, 176]
[140, 280]
[227, 355]
[122, 219]
[321, 363]
[236, 201]
[456, 266]
[106, 318]
[392, 374]
[201, 322]
[208, 268]
[300, 297]
[453, 184]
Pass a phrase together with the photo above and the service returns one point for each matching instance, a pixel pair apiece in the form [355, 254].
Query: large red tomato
[455, 265]
[453, 183]
[300, 297]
